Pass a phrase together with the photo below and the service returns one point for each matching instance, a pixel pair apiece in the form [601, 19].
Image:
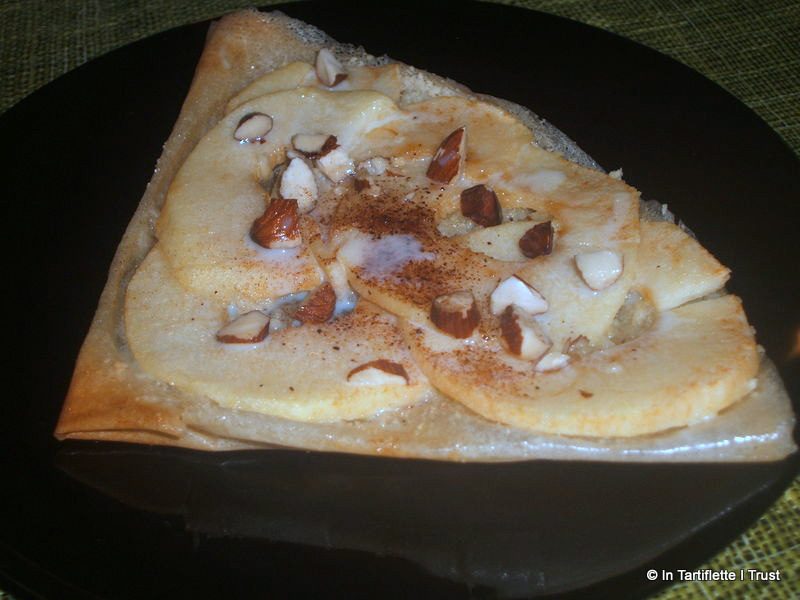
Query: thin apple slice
[297, 373]
[385, 79]
[218, 193]
[695, 361]
[674, 268]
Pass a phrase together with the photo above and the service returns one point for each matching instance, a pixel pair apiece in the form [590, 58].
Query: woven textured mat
[752, 49]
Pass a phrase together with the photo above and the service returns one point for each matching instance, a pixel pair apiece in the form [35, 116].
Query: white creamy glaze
[542, 181]
[383, 257]
[621, 203]
[272, 256]
[276, 303]
[345, 304]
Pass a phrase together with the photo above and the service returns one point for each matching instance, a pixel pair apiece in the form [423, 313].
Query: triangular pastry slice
[340, 252]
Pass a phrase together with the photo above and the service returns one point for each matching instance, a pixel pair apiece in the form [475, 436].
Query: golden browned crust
[108, 398]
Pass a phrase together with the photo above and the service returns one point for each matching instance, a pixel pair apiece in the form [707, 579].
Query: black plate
[116, 521]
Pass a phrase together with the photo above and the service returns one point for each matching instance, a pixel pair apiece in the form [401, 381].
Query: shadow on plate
[512, 529]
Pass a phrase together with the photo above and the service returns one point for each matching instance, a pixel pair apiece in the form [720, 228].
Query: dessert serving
[341, 252]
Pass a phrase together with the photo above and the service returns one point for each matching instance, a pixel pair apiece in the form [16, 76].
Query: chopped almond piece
[449, 157]
[249, 328]
[456, 314]
[329, 70]
[379, 372]
[253, 128]
[599, 269]
[314, 145]
[279, 226]
[515, 291]
[522, 335]
[480, 204]
[318, 307]
[537, 241]
[297, 182]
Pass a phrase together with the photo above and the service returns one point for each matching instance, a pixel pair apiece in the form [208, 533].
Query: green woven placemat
[750, 48]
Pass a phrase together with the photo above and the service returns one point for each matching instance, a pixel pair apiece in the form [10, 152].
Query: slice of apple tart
[345, 253]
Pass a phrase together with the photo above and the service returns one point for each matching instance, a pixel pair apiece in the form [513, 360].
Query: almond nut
[577, 347]
[319, 306]
[360, 184]
[336, 164]
[514, 291]
[552, 361]
[329, 70]
[456, 314]
[314, 145]
[449, 157]
[377, 165]
[537, 241]
[253, 128]
[379, 372]
[599, 269]
[480, 204]
[279, 226]
[522, 335]
[249, 328]
[298, 182]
